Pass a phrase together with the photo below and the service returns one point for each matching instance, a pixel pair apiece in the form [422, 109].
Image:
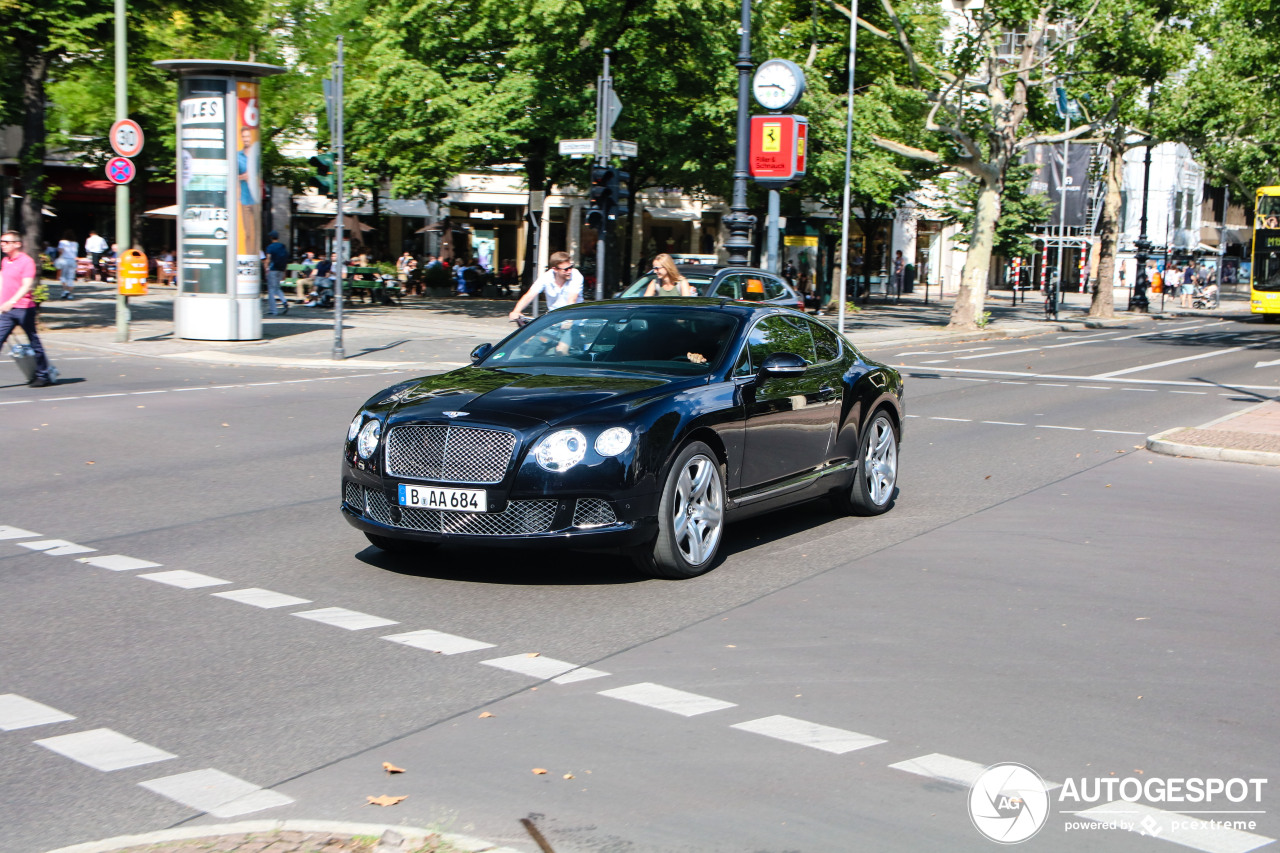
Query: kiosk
[219, 199]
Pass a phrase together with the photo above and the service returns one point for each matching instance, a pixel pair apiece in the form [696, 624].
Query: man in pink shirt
[17, 308]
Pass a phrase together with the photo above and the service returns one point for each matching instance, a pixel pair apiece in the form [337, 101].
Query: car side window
[774, 288]
[728, 287]
[825, 341]
[780, 334]
[753, 289]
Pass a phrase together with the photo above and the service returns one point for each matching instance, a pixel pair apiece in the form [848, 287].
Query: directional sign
[120, 170]
[615, 107]
[569, 147]
[126, 139]
[624, 148]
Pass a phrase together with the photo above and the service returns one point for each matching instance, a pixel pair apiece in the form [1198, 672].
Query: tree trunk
[35, 68]
[966, 312]
[1103, 304]
[536, 174]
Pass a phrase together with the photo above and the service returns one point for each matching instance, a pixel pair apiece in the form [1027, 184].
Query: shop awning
[672, 214]
[167, 212]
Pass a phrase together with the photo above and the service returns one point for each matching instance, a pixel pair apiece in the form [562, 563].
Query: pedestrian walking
[68, 254]
[96, 247]
[277, 263]
[17, 308]
[561, 284]
[899, 264]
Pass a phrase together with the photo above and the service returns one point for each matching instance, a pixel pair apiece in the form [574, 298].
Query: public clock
[778, 84]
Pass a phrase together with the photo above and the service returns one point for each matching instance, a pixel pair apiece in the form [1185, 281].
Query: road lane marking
[1004, 423]
[936, 361]
[264, 598]
[1171, 826]
[183, 579]
[105, 750]
[57, 547]
[1142, 367]
[438, 641]
[196, 388]
[1118, 432]
[825, 738]
[1144, 390]
[1050, 426]
[7, 532]
[340, 617]
[1201, 393]
[941, 352]
[1001, 352]
[19, 712]
[937, 418]
[931, 373]
[118, 563]
[1011, 382]
[1097, 387]
[1053, 384]
[216, 793]
[667, 699]
[944, 768]
[542, 668]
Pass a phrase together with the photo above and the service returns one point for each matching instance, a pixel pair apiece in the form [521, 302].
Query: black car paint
[665, 413]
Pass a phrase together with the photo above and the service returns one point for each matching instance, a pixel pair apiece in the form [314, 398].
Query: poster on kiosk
[220, 192]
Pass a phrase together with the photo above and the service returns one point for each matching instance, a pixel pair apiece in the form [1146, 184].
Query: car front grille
[449, 454]
[519, 518]
[593, 512]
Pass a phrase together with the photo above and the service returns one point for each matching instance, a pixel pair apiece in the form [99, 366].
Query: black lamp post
[1138, 298]
[740, 222]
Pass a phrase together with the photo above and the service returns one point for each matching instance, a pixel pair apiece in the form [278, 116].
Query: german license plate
[433, 497]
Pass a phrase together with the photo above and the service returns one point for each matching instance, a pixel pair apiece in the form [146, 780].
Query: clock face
[778, 84]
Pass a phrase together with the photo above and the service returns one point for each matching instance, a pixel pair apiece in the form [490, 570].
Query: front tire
[876, 479]
[690, 517]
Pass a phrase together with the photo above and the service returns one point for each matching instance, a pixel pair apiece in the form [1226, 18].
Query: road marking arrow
[1268, 363]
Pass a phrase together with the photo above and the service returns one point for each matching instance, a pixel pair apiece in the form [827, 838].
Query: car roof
[686, 269]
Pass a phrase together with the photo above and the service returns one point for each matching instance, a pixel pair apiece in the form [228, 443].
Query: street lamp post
[740, 222]
[1138, 298]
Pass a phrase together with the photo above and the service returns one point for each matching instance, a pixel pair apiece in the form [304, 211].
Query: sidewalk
[1251, 436]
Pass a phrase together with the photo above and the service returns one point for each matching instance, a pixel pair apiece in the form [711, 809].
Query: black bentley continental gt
[639, 426]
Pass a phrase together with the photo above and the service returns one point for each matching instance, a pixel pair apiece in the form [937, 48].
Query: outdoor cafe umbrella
[349, 223]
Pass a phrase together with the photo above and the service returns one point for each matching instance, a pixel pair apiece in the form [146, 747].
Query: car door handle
[826, 392]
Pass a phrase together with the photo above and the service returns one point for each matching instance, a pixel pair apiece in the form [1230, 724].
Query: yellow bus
[1264, 273]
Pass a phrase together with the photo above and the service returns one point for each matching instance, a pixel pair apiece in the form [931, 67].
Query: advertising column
[219, 199]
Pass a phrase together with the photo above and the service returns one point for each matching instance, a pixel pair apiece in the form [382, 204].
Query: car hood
[523, 398]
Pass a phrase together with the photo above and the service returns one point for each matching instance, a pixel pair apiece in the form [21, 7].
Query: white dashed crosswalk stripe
[340, 617]
[438, 641]
[216, 793]
[826, 738]
[540, 667]
[944, 768]
[667, 699]
[19, 712]
[57, 547]
[264, 598]
[118, 563]
[184, 579]
[105, 750]
[1181, 829]
[7, 532]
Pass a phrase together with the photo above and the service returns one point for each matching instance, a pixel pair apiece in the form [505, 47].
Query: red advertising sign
[778, 149]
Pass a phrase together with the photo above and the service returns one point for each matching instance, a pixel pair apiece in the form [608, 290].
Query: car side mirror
[782, 364]
[479, 353]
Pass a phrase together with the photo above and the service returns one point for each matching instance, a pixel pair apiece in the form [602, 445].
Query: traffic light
[601, 196]
[323, 179]
[619, 184]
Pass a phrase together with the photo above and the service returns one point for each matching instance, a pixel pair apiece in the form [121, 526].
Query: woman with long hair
[667, 280]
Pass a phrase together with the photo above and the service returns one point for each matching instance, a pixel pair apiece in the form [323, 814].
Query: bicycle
[1050, 302]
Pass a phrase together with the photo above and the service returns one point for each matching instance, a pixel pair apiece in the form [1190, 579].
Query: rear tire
[690, 517]
[876, 478]
[402, 547]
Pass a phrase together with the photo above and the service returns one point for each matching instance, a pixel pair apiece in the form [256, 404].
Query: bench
[297, 277]
[372, 286]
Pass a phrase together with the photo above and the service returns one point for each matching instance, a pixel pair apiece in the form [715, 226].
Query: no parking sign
[120, 170]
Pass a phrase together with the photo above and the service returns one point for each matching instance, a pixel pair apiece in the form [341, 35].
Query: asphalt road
[1044, 592]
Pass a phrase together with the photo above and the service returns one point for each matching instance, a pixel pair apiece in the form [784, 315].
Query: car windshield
[674, 340]
[699, 283]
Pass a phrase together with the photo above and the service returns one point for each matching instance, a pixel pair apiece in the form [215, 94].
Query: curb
[412, 834]
[1158, 443]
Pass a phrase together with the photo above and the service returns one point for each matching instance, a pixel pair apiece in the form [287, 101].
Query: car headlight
[613, 441]
[561, 450]
[368, 442]
[354, 429]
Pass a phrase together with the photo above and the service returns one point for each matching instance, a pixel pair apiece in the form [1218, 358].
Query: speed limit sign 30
[126, 138]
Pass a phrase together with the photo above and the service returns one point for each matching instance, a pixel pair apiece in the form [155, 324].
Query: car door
[789, 420]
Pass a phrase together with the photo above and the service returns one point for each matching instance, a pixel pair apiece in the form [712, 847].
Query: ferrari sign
[778, 149]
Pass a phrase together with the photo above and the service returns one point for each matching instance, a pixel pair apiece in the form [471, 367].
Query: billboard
[249, 241]
[202, 185]
[1048, 181]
